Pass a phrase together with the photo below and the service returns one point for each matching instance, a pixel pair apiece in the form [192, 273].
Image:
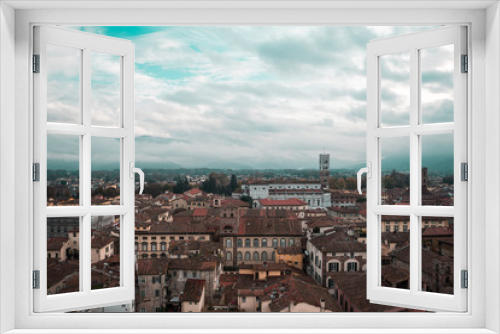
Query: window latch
[36, 279]
[36, 172]
[464, 171]
[465, 64]
[36, 63]
[368, 171]
[465, 279]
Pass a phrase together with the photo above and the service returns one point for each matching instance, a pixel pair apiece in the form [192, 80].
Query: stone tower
[424, 177]
[324, 169]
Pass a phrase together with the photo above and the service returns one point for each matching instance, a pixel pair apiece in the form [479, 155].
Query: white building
[309, 192]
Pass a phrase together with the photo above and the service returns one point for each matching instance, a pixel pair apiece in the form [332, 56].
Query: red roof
[193, 191]
[200, 212]
[193, 290]
[228, 280]
[56, 243]
[282, 202]
[152, 267]
[100, 241]
[437, 231]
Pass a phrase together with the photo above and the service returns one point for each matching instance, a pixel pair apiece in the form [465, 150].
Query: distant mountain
[227, 164]
[356, 167]
[398, 163]
[157, 165]
[435, 163]
[62, 164]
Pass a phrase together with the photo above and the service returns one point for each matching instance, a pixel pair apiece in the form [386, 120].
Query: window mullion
[86, 177]
[414, 168]
[85, 159]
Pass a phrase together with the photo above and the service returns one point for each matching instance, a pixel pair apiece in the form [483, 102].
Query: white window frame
[16, 122]
[87, 43]
[377, 49]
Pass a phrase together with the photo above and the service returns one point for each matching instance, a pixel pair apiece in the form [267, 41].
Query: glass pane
[105, 252]
[437, 170]
[63, 84]
[437, 67]
[395, 169]
[63, 170]
[437, 254]
[63, 250]
[105, 89]
[395, 89]
[105, 171]
[395, 251]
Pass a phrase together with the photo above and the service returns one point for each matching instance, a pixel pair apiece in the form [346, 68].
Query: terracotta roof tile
[56, 243]
[438, 231]
[152, 266]
[284, 202]
[353, 286]
[194, 263]
[338, 241]
[193, 290]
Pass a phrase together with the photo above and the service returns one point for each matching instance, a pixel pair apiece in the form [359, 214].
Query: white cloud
[263, 97]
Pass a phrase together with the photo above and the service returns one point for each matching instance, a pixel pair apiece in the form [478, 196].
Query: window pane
[63, 170]
[105, 252]
[395, 89]
[437, 170]
[395, 169]
[63, 253]
[437, 254]
[395, 251]
[105, 171]
[105, 89]
[437, 67]
[63, 84]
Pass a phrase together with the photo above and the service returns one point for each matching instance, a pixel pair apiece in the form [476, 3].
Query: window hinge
[36, 63]
[465, 64]
[36, 172]
[465, 279]
[464, 171]
[36, 279]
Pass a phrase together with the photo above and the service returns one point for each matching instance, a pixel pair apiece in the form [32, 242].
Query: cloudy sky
[251, 97]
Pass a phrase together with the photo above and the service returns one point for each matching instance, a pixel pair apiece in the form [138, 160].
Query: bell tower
[324, 169]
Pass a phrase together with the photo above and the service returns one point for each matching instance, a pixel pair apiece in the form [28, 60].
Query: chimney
[322, 305]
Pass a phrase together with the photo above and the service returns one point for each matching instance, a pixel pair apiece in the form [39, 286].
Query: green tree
[110, 192]
[246, 198]
[181, 186]
[351, 183]
[154, 189]
[234, 183]
[98, 191]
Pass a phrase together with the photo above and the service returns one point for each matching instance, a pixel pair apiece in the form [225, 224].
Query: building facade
[335, 251]
[309, 192]
[258, 234]
[152, 285]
